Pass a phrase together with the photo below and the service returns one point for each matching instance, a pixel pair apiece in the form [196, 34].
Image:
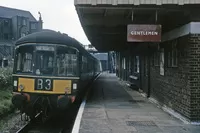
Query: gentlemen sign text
[143, 33]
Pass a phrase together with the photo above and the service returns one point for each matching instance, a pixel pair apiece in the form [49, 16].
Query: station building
[14, 24]
[157, 45]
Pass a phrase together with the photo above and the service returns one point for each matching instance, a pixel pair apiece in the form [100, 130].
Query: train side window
[61, 64]
[67, 61]
[27, 61]
[84, 64]
[71, 62]
[19, 60]
[50, 62]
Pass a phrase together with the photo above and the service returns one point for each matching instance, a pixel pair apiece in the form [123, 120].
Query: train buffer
[112, 107]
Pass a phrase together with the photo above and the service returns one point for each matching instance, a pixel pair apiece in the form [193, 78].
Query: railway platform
[112, 107]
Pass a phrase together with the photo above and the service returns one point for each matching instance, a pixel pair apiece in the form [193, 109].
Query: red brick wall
[173, 89]
[194, 76]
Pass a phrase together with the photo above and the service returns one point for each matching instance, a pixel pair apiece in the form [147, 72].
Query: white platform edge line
[77, 122]
[79, 117]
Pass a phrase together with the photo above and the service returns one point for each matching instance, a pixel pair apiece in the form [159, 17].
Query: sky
[58, 15]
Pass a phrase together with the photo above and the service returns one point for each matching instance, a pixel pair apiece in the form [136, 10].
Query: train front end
[45, 77]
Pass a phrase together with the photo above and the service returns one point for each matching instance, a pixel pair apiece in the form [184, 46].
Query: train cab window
[27, 61]
[66, 60]
[44, 60]
[19, 61]
[24, 60]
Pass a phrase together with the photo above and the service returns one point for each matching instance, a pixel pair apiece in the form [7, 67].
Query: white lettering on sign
[40, 84]
[45, 48]
[144, 33]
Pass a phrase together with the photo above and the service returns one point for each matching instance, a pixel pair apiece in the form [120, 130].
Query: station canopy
[105, 21]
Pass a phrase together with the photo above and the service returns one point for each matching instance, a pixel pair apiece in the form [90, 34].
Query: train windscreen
[24, 59]
[47, 60]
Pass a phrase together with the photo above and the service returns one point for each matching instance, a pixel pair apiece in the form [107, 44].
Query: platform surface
[112, 107]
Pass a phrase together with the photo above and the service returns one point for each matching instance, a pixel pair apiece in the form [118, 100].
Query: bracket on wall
[132, 15]
[156, 17]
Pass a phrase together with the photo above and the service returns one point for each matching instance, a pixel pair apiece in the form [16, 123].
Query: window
[129, 67]
[136, 64]
[6, 36]
[5, 63]
[33, 26]
[44, 62]
[173, 55]
[71, 61]
[124, 63]
[24, 59]
[67, 61]
[169, 59]
[174, 58]
[6, 23]
[84, 64]
[27, 62]
[19, 60]
[146, 65]
[162, 61]
[48, 60]
[24, 22]
[156, 59]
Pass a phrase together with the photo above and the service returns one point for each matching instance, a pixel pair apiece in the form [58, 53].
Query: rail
[27, 127]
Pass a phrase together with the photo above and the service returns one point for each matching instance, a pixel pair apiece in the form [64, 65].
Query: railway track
[60, 124]
[29, 125]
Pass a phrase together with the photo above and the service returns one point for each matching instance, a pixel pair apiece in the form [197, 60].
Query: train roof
[52, 37]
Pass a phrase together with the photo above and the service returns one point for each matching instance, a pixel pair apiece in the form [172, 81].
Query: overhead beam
[135, 2]
[142, 7]
[98, 30]
[115, 21]
[105, 21]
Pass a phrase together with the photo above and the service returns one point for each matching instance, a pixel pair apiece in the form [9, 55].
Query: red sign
[144, 33]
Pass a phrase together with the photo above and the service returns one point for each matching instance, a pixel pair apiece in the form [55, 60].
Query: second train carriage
[50, 71]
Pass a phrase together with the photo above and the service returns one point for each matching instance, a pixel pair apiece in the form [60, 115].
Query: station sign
[143, 33]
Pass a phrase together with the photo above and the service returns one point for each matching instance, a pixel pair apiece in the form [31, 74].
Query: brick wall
[194, 75]
[179, 88]
[173, 89]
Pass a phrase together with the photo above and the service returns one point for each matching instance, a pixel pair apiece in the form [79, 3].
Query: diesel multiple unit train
[51, 71]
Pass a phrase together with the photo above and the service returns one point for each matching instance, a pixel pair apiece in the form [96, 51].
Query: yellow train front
[51, 71]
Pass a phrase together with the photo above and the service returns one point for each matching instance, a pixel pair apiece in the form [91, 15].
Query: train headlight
[15, 83]
[21, 87]
[74, 86]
